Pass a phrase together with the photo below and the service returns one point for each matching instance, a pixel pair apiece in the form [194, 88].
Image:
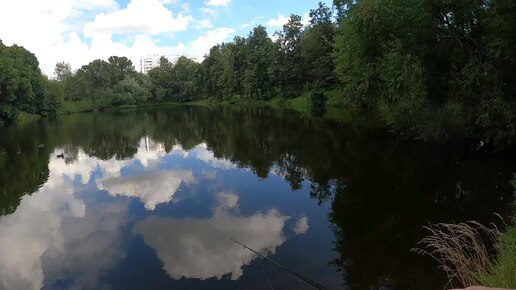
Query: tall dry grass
[464, 251]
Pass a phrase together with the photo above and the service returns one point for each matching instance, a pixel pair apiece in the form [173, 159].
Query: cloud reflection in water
[201, 248]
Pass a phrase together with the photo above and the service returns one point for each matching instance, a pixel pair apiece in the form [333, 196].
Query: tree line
[430, 69]
[23, 87]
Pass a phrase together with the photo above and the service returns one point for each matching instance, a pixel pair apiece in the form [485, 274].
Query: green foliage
[54, 97]
[503, 272]
[257, 82]
[290, 73]
[175, 82]
[317, 102]
[317, 47]
[432, 69]
[131, 91]
[22, 86]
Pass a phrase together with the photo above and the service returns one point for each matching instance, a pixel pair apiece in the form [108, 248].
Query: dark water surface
[148, 200]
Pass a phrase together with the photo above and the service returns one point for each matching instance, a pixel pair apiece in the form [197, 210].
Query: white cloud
[218, 2]
[140, 16]
[53, 232]
[208, 11]
[148, 154]
[205, 42]
[44, 26]
[152, 189]
[91, 246]
[202, 153]
[56, 29]
[25, 238]
[301, 226]
[253, 22]
[203, 24]
[201, 248]
[277, 22]
[306, 19]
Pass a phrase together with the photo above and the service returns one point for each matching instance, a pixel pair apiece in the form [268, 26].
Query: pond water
[150, 199]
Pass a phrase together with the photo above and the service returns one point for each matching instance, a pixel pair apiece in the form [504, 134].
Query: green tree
[63, 71]
[120, 68]
[317, 47]
[132, 90]
[184, 76]
[289, 61]
[257, 82]
[21, 83]
[95, 82]
[161, 78]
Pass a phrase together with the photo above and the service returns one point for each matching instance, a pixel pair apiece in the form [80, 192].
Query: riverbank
[87, 106]
[503, 273]
[337, 107]
[474, 254]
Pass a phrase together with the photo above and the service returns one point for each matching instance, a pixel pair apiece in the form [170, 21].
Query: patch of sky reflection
[171, 213]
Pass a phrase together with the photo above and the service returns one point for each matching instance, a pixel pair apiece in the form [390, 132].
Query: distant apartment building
[151, 61]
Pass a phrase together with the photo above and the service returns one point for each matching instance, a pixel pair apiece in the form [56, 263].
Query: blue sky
[77, 31]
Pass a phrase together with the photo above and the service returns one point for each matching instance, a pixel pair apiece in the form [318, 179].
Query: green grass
[336, 110]
[87, 106]
[77, 107]
[24, 118]
[503, 274]
[300, 103]
[337, 104]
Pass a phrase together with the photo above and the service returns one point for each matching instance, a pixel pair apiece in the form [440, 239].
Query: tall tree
[289, 61]
[257, 81]
[120, 68]
[63, 71]
[317, 47]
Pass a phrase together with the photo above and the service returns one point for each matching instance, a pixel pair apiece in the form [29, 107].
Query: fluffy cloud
[306, 19]
[25, 238]
[203, 24]
[208, 11]
[149, 153]
[301, 226]
[201, 152]
[91, 246]
[54, 233]
[202, 45]
[200, 248]
[57, 29]
[78, 237]
[46, 27]
[277, 22]
[152, 189]
[218, 2]
[140, 16]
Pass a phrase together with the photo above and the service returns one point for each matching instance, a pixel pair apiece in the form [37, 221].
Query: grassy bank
[472, 254]
[336, 104]
[503, 272]
[87, 106]
[24, 118]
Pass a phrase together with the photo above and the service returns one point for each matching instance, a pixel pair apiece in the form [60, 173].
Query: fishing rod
[291, 272]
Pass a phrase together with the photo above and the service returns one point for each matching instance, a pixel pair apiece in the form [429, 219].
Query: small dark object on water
[60, 155]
